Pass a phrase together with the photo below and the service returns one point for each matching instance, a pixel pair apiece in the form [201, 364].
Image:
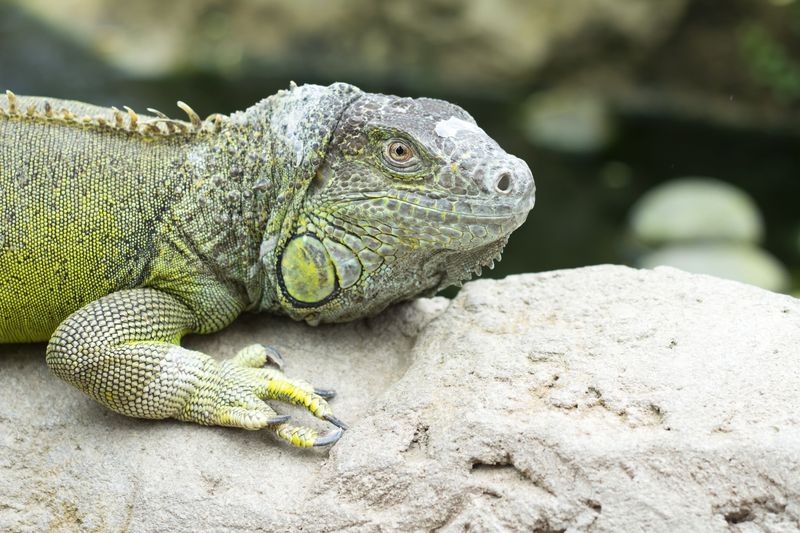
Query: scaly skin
[121, 233]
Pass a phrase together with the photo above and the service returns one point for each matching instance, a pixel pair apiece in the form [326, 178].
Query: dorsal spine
[159, 126]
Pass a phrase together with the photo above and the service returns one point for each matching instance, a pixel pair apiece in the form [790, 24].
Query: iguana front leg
[123, 350]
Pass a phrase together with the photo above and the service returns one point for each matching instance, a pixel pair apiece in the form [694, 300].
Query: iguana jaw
[461, 224]
[460, 267]
[398, 244]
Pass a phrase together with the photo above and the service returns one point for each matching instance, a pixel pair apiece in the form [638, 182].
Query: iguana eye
[399, 153]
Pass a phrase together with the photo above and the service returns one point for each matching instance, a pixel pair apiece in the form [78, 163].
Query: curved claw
[329, 437]
[280, 419]
[325, 393]
[274, 357]
[335, 421]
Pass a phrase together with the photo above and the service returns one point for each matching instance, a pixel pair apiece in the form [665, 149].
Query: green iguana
[122, 232]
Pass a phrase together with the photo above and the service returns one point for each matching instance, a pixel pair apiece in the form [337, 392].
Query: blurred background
[659, 132]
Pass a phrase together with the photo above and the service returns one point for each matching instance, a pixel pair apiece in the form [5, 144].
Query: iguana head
[409, 196]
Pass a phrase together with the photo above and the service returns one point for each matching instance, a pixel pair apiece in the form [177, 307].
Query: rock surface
[600, 399]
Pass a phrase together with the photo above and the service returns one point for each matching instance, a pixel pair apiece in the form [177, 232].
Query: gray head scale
[410, 197]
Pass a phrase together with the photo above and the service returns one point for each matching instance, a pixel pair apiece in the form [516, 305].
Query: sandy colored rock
[597, 399]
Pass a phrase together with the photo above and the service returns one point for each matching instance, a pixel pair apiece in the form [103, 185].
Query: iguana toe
[335, 421]
[258, 356]
[273, 357]
[305, 437]
[250, 417]
[274, 385]
[329, 437]
[325, 393]
[279, 419]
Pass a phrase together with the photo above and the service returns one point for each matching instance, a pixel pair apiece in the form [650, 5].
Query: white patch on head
[453, 126]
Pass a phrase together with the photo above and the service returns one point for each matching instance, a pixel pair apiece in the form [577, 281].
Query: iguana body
[121, 233]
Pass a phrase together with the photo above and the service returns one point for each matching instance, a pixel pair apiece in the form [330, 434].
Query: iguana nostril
[503, 183]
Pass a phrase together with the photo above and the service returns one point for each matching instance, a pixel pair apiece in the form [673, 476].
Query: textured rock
[604, 398]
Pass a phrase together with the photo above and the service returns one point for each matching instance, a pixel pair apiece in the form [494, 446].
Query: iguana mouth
[491, 207]
[459, 212]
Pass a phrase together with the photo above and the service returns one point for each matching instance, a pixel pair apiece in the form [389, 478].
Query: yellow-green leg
[123, 350]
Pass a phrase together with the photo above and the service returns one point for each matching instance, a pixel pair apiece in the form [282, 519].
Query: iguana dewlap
[122, 232]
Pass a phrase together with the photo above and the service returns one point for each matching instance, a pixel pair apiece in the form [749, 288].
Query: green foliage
[770, 63]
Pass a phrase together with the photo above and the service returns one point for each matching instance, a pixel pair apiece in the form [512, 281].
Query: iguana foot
[260, 365]
[259, 355]
[123, 350]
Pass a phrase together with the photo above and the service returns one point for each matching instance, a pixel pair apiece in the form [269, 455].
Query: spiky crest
[158, 126]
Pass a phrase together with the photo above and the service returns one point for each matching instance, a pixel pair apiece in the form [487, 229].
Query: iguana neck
[280, 144]
[251, 174]
[234, 191]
